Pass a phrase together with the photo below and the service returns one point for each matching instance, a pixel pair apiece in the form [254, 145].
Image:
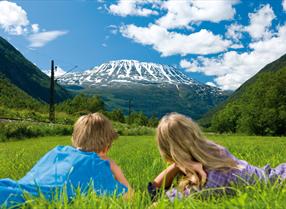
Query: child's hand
[198, 168]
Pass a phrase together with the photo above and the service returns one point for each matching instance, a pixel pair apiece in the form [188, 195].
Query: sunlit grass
[140, 161]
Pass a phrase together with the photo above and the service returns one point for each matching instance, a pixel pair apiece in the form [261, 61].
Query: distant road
[3, 120]
[10, 120]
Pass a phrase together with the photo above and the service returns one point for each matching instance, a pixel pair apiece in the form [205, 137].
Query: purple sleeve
[228, 154]
[225, 153]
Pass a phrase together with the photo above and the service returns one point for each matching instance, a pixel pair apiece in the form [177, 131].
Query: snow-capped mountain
[152, 88]
[127, 71]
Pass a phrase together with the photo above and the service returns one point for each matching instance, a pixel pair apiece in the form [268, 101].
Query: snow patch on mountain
[122, 71]
[58, 72]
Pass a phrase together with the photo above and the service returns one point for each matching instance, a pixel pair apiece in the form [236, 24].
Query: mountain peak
[126, 71]
[152, 88]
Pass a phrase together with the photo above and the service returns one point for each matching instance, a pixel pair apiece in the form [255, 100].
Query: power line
[74, 67]
[52, 90]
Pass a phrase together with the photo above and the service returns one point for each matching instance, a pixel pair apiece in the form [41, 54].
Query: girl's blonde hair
[93, 133]
[181, 141]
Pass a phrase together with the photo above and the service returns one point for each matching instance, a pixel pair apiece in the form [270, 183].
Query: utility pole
[52, 90]
[52, 94]
[129, 110]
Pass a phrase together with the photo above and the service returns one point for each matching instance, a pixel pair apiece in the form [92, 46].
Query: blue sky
[219, 42]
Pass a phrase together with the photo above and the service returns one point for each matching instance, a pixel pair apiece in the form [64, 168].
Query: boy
[67, 168]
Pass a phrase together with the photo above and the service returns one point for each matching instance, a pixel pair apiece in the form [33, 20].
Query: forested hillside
[25, 75]
[13, 97]
[258, 106]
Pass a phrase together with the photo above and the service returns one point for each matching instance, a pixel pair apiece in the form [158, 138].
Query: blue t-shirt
[63, 168]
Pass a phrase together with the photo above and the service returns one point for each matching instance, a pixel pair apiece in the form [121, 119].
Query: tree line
[83, 104]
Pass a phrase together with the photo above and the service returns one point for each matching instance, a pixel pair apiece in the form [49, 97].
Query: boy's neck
[102, 155]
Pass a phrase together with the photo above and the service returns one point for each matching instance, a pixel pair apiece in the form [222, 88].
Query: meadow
[140, 161]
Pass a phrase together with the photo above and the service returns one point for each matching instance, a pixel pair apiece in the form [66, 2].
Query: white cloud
[211, 84]
[13, 19]
[191, 66]
[258, 28]
[42, 38]
[260, 22]
[113, 29]
[232, 68]
[35, 28]
[236, 46]
[234, 31]
[180, 14]
[132, 7]
[172, 43]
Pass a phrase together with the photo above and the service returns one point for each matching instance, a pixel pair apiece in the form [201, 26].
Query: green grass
[139, 159]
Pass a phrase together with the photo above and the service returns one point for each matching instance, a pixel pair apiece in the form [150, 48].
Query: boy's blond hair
[93, 133]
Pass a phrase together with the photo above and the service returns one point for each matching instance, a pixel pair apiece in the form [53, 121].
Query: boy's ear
[106, 149]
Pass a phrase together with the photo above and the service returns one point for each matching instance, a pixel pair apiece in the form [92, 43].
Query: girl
[68, 168]
[204, 164]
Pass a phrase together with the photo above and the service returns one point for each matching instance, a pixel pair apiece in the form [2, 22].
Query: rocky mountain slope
[151, 88]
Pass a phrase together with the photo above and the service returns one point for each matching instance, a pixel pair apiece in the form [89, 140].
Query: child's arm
[170, 173]
[165, 178]
[119, 176]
